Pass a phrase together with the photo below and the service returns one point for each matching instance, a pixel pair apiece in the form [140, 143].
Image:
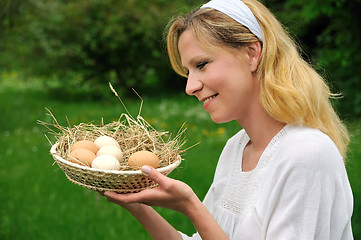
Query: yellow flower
[221, 131]
[164, 125]
[205, 132]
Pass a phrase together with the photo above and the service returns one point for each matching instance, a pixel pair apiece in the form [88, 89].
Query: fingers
[125, 197]
[101, 193]
[154, 175]
[110, 194]
[121, 197]
[147, 196]
[112, 197]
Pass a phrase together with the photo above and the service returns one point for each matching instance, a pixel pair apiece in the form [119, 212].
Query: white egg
[105, 140]
[111, 150]
[106, 162]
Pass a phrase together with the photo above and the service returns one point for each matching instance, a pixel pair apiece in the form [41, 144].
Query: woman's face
[223, 79]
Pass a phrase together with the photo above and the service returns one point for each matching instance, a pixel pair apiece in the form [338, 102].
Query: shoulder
[232, 146]
[230, 152]
[236, 138]
[309, 149]
[305, 185]
[306, 141]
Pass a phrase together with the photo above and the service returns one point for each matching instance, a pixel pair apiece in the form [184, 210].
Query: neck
[261, 128]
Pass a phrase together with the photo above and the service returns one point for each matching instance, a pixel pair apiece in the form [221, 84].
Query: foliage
[80, 45]
[331, 40]
[90, 42]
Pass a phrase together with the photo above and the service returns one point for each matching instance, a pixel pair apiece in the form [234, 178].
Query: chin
[219, 119]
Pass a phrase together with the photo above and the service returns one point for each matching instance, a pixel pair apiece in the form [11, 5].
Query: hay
[132, 134]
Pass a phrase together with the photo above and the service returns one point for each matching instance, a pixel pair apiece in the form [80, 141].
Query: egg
[105, 140]
[111, 150]
[106, 162]
[82, 156]
[85, 144]
[140, 158]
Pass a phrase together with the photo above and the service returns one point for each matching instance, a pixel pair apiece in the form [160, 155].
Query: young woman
[283, 175]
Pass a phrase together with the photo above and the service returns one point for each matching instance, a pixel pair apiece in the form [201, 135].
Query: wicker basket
[108, 180]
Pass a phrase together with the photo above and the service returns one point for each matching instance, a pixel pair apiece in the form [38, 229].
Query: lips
[209, 99]
[206, 100]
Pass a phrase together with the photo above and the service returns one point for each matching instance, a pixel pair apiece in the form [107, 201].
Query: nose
[193, 84]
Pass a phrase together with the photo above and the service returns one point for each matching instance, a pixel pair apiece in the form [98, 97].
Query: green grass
[38, 202]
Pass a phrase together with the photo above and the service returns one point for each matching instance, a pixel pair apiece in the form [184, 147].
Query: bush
[78, 46]
[96, 41]
[330, 36]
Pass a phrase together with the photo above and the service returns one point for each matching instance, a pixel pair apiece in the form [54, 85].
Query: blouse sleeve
[194, 237]
[221, 175]
[308, 192]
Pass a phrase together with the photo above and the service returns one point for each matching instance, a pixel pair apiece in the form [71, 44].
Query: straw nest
[132, 134]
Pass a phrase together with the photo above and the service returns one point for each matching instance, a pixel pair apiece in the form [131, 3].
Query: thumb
[154, 175]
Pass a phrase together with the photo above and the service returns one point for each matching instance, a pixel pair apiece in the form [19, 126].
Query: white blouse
[298, 190]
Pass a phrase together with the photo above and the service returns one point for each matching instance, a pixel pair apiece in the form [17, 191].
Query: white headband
[239, 11]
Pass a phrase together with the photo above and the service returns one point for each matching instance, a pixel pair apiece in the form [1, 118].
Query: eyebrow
[196, 59]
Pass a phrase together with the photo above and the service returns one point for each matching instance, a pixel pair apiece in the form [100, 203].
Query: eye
[201, 65]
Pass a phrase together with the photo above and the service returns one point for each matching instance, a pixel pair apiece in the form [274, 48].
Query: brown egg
[82, 156]
[85, 144]
[138, 159]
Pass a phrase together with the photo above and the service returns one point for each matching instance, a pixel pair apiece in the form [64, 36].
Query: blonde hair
[291, 91]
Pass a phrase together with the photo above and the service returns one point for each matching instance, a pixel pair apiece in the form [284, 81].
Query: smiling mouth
[210, 98]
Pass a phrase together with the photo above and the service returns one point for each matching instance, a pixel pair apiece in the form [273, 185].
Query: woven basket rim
[54, 153]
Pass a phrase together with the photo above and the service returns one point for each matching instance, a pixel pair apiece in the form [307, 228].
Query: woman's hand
[131, 207]
[171, 194]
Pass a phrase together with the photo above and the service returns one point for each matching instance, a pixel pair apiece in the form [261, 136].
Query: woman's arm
[203, 221]
[171, 194]
[156, 226]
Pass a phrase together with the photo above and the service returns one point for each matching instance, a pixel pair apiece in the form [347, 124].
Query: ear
[254, 53]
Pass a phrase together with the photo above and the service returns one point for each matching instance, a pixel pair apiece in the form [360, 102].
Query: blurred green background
[62, 54]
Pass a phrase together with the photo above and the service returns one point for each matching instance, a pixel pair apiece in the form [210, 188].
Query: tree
[329, 33]
[84, 44]
[78, 46]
